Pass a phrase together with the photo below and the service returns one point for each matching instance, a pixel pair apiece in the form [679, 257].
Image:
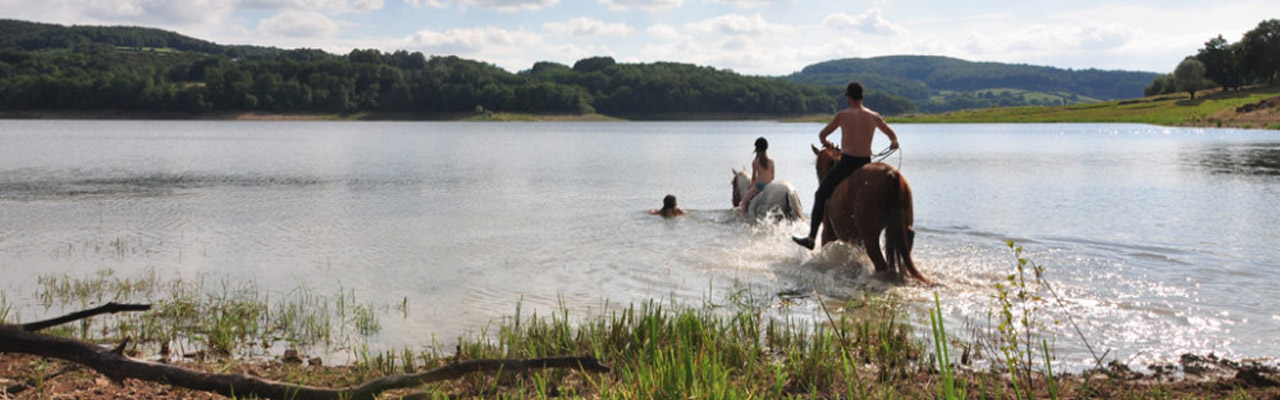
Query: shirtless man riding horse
[857, 125]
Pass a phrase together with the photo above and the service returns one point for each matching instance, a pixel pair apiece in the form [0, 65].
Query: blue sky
[759, 37]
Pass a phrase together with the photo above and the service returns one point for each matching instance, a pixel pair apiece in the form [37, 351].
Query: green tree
[1222, 63]
[1261, 50]
[1189, 76]
[1161, 85]
[593, 64]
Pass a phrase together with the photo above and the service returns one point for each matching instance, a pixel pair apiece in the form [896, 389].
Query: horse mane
[827, 157]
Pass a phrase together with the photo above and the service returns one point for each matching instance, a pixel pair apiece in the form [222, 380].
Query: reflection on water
[1147, 247]
[144, 185]
[1240, 158]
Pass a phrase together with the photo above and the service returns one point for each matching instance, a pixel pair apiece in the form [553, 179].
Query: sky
[755, 37]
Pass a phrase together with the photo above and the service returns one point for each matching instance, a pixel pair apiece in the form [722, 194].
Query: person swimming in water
[761, 173]
[669, 208]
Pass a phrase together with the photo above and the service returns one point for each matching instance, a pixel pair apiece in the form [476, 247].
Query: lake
[1159, 241]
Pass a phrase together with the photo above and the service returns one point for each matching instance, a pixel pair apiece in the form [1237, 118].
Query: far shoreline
[109, 115]
[1250, 108]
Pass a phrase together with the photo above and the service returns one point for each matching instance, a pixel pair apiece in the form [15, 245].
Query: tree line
[940, 84]
[1254, 59]
[45, 66]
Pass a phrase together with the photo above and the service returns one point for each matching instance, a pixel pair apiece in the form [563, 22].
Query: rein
[883, 154]
[875, 158]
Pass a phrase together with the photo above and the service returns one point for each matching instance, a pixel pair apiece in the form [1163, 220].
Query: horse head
[740, 184]
[828, 156]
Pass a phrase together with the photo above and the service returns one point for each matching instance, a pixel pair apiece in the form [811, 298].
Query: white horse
[777, 196]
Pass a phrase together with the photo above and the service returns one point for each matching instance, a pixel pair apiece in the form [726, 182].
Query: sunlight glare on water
[1158, 241]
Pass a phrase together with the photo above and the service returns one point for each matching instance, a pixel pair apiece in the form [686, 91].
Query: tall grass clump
[201, 318]
[947, 381]
[667, 350]
[1022, 298]
[5, 308]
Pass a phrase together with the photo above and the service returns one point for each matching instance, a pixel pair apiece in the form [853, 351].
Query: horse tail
[899, 233]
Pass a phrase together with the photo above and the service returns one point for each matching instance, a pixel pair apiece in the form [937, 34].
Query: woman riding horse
[777, 198]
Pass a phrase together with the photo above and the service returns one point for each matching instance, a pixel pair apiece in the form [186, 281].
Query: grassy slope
[1211, 109]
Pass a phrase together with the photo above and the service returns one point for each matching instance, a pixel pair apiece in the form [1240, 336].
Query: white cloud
[583, 26]
[571, 53]
[736, 24]
[675, 51]
[664, 32]
[471, 40]
[870, 21]
[1105, 36]
[648, 5]
[752, 3]
[500, 5]
[428, 3]
[325, 6]
[515, 5]
[162, 12]
[747, 55]
[299, 24]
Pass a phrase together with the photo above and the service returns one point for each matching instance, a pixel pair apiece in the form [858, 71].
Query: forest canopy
[45, 66]
[1254, 59]
[55, 67]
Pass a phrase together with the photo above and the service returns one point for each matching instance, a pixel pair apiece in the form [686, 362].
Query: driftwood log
[115, 365]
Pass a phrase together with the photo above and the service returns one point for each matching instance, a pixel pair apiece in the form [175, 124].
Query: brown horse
[872, 199]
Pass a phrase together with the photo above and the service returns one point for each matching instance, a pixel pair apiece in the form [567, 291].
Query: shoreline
[1251, 108]
[119, 115]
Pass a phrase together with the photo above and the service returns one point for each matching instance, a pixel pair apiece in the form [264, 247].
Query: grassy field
[1035, 95]
[1210, 109]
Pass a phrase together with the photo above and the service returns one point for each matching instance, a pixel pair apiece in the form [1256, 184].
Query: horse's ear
[815, 150]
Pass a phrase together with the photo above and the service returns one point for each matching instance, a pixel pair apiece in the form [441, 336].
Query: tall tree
[1189, 76]
[1163, 84]
[1222, 63]
[1261, 48]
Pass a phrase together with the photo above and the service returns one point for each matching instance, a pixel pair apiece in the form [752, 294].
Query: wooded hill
[85, 68]
[52, 67]
[939, 84]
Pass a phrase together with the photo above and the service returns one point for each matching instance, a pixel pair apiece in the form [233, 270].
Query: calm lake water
[1160, 241]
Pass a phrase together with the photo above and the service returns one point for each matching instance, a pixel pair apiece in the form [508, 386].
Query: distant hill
[33, 36]
[48, 67]
[938, 83]
[25, 35]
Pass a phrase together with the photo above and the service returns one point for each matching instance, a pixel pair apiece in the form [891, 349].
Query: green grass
[1031, 95]
[736, 348]
[1205, 110]
[221, 318]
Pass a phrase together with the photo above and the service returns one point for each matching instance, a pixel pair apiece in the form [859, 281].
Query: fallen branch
[109, 308]
[118, 367]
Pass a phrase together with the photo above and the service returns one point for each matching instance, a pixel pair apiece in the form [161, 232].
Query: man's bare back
[857, 127]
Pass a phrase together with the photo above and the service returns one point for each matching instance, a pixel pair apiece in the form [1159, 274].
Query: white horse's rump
[777, 197]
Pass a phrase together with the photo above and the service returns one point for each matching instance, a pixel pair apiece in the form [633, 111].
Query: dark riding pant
[841, 170]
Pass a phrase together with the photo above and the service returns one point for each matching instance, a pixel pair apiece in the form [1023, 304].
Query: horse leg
[871, 243]
[828, 232]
